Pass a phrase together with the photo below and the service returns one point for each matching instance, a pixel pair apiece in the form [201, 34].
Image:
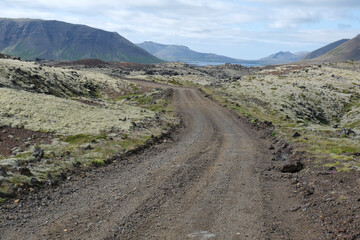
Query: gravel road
[208, 182]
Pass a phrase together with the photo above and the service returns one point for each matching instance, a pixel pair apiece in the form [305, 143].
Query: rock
[25, 171]
[285, 145]
[346, 132]
[309, 190]
[77, 164]
[15, 150]
[294, 209]
[281, 156]
[34, 181]
[61, 176]
[296, 135]
[86, 147]
[38, 153]
[271, 147]
[3, 172]
[332, 168]
[305, 206]
[53, 182]
[292, 166]
[268, 123]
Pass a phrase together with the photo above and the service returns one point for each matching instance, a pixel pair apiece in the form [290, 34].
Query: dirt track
[210, 182]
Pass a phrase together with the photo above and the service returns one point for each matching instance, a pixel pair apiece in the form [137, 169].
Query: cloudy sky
[247, 29]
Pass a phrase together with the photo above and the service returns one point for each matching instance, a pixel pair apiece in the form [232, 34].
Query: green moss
[174, 82]
[18, 179]
[23, 155]
[2, 200]
[82, 138]
[336, 164]
[345, 169]
[342, 149]
[97, 162]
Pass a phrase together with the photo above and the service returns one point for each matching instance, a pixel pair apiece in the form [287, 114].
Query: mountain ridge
[349, 50]
[56, 40]
[323, 50]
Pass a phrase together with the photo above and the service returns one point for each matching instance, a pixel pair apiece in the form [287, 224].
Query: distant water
[199, 63]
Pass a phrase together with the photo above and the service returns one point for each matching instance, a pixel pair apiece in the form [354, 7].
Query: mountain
[282, 57]
[55, 40]
[183, 53]
[350, 50]
[323, 50]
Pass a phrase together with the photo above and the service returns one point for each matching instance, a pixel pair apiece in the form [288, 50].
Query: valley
[175, 151]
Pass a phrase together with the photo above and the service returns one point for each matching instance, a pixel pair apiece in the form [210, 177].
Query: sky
[244, 29]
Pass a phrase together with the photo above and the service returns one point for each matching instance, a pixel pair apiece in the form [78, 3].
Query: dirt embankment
[53, 120]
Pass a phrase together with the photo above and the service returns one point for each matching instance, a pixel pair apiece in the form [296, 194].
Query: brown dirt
[215, 180]
[332, 199]
[11, 138]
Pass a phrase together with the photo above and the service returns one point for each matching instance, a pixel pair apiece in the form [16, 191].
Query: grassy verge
[325, 143]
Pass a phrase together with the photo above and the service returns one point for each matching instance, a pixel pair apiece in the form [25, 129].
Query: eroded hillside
[55, 119]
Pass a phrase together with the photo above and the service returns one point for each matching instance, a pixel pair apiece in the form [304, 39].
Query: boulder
[25, 171]
[38, 153]
[292, 166]
[346, 132]
[3, 172]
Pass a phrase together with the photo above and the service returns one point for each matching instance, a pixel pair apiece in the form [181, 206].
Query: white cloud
[311, 3]
[222, 24]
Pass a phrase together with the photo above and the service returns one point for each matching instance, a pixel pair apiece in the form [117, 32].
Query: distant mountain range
[55, 40]
[185, 54]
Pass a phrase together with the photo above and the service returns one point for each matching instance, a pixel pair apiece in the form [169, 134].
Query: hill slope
[54, 40]
[323, 50]
[282, 57]
[183, 53]
[349, 50]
